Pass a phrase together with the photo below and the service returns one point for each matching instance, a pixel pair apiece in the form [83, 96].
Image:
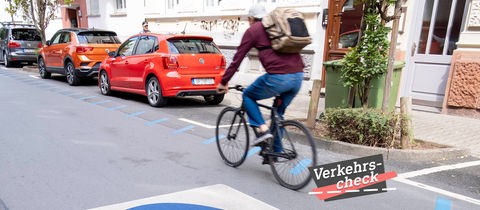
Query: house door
[344, 18]
[436, 29]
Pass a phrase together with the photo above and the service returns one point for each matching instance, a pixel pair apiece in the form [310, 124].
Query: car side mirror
[48, 43]
[112, 54]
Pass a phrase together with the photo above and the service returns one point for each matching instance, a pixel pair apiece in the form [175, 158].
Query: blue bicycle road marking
[181, 130]
[302, 165]
[213, 139]
[135, 114]
[156, 121]
[253, 151]
[87, 97]
[116, 107]
[443, 204]
[101, 102]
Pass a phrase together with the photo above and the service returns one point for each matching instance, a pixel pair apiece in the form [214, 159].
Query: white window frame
[120, 5]
[91, 10]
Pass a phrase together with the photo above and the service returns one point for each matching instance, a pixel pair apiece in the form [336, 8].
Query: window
[93, 8]
[127, 48]
[98, 37]
[145, 45]
[120, 5]
[56, 38]
[187, 46]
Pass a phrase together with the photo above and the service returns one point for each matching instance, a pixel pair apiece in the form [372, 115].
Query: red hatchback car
[161, 66]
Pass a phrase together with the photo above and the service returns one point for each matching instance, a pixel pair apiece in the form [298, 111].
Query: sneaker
[262, 138]
[266, 161]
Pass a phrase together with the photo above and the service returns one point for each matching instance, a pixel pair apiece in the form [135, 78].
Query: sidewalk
[454, 131]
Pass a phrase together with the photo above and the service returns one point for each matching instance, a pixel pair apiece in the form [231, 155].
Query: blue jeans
[267, 86]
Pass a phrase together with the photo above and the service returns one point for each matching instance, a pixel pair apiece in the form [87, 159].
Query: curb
[392, 154]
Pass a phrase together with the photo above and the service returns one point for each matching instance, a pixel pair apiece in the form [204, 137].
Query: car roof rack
[17, 24]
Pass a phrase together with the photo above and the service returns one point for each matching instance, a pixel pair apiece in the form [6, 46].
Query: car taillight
[223, 63]
[12, 44]
[82, 49]
[40, 45]
[170, 62]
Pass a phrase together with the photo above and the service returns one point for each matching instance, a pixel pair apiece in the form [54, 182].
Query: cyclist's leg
[294, 85]
[258, 90]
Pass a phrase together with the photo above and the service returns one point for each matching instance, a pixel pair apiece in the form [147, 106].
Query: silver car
[18, 43]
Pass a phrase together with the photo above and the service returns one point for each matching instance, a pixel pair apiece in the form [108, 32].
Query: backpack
[287, 30]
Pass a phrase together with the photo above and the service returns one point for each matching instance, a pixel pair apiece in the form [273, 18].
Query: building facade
[439, 40]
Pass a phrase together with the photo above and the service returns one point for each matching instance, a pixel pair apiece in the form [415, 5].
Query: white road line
[438, 169]
[202, 124]
[196, 123]
[33, 76]
[438, 190]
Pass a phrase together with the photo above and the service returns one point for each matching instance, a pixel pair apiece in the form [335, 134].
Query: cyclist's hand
[222, 88]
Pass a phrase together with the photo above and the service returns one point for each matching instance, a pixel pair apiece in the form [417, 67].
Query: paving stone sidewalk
[454, 131]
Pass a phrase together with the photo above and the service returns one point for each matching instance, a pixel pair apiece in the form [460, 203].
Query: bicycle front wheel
[232, 136]
[292, 153]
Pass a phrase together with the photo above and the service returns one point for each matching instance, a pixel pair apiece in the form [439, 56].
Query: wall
[463, 87]
[224, 20]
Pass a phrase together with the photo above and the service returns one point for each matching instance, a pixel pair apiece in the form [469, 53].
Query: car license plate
[28, 50]
[202, 81]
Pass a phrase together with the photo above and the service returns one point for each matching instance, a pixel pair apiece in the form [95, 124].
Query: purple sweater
[273, 62]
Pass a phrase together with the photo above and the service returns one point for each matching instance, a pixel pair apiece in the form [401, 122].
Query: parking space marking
[101, 102]
[156, 121]
[135, 114]
[181, 130]
[33, 76]
[437, 190]
[116, 107]
[438, 169]
[87, 97]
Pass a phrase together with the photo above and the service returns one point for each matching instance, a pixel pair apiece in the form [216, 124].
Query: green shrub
[368, 127]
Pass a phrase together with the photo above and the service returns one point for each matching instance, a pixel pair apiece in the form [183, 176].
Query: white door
[434, 34]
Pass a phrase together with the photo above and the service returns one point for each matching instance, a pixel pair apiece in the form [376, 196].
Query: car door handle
[146, 61]
[126, 62]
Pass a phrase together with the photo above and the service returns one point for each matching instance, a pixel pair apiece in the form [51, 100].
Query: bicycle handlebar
[237, 87]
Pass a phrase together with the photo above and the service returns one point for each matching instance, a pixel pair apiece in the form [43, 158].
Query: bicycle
[290, 152]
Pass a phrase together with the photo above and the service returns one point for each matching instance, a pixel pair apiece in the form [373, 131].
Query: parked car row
[157, 66]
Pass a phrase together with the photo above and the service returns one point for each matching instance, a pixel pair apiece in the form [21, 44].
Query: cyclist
[283, 77]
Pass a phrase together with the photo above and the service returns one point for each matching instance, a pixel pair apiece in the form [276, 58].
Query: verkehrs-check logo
[351, 178]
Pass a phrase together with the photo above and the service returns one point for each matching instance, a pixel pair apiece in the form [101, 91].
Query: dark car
[18, 43]
[76, 53]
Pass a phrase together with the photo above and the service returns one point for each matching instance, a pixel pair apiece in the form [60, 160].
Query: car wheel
[6, 61]
[105, 84]
[154, 93]
[42, 69]
[72, 79]
[214, 99]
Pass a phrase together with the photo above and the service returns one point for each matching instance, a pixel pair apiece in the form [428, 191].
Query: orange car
[162, 66]
[76, 53]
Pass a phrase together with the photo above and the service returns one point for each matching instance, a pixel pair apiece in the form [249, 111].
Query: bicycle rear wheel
[290, 160]
[232, 136]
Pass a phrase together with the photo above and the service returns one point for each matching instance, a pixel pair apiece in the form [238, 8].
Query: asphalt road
[64, 147]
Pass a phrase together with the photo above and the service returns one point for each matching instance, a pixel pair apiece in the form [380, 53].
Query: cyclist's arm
[248, 41]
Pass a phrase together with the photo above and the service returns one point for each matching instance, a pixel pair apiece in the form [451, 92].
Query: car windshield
[98, 37]
[25, 34]
[192, 46]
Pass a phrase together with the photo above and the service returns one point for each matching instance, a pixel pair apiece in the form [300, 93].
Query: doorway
[434, 33]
